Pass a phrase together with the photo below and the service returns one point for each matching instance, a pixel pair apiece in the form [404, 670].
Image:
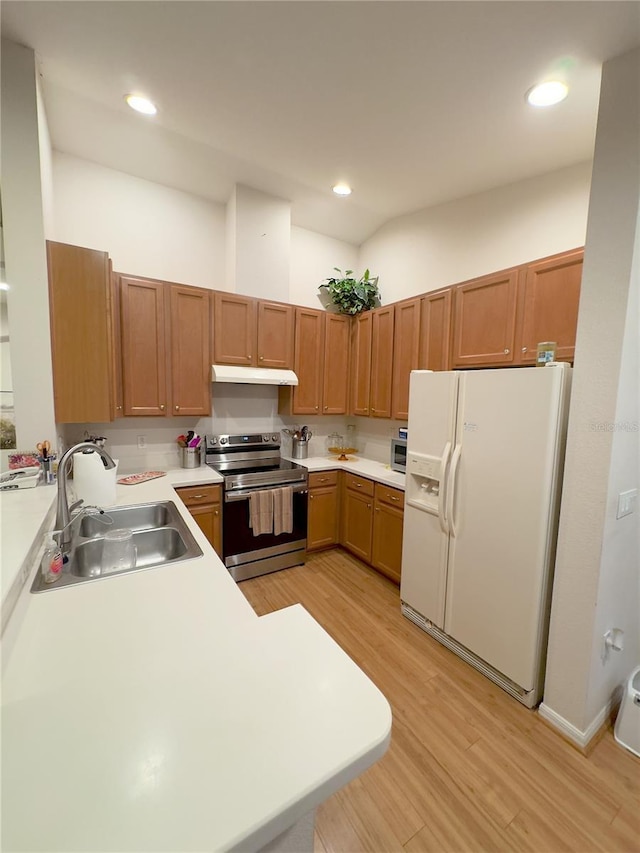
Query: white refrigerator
[485, 456]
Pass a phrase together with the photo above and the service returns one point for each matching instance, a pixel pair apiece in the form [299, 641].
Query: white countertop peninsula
[155, 711]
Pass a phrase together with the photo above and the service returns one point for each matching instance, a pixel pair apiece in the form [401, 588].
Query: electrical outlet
[627, 503]
[142, 442]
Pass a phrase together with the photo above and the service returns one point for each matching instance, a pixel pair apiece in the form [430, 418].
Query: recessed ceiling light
[4, 285]
[547, 94]
[342, 189]
[141, 104]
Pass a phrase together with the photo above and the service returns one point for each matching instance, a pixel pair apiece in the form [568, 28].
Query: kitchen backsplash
[237, 409]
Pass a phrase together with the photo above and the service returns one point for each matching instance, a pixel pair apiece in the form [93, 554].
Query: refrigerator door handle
[451, 488]
[442, 498]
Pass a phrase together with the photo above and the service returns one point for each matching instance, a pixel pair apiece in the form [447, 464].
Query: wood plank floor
[469, 768]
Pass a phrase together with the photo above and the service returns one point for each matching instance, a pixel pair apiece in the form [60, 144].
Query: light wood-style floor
[469, 768]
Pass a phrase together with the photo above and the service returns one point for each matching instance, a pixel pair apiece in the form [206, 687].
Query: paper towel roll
[92, 482]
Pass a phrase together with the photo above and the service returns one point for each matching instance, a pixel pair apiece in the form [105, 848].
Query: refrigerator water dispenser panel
[423, 481]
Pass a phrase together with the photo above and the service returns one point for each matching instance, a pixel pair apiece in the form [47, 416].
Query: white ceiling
[412, 103]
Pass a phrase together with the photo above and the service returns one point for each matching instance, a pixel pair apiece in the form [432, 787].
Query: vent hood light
[547, 94]
[252, 375]
[141, 104]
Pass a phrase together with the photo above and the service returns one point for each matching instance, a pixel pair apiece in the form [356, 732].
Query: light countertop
[155, 710]
[378, 471]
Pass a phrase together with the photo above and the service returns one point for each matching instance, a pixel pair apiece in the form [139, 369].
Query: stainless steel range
[250, 463]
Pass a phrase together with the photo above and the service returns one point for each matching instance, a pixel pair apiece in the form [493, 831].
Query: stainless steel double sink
[160, 536]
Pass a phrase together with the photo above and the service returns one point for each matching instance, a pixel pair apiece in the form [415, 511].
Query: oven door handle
[243, 494]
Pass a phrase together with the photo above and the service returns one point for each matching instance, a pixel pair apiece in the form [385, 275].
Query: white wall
[480, 234]
[313, 257]
[24, 247]
[618, 596]
[46, 163]
[262, 229]
[148, 229]
[593, 586]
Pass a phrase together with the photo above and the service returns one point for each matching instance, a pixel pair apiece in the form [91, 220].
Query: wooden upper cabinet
[82, 346]
[361, 363]
[406, 350]
[234, 329]
[551, 298]
[190, 351]
[144, 331]
[275, 335]
[484, 325]
[382, 361]
[308, 361]
[435, 330]
[335, 389]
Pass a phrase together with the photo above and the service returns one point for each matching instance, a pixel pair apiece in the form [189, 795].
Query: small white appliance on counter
[484, 472]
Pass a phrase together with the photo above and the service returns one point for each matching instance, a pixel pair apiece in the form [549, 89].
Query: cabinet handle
[162, 408]
[358, 485]
[261, 358]
[326, 408]
[216, 512]
[524, 349]
[377, 508]
[310, 497]
[177, 408]
[372, 409]
[249, 356]
[368, 506]
[394, 499]
[317, 407]
[198, 497]
[366, 409]
[506, 352]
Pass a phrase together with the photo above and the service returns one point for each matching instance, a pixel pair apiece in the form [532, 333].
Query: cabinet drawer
[323, 478]
[199, 495]
[389, 495]
[359, 484]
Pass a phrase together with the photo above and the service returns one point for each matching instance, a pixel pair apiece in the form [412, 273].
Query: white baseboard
[576, 735]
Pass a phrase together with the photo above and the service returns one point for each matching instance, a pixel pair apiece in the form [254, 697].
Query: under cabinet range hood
[252, 375]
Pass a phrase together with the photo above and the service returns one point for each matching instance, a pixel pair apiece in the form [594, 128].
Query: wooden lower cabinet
[387, 531]
[205, 505]
[323, 518]
[372, 516]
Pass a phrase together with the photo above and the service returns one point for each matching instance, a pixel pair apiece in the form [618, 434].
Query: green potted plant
[352, 296]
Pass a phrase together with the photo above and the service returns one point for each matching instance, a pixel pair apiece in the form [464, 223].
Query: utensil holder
[190, 457]
[299, 448]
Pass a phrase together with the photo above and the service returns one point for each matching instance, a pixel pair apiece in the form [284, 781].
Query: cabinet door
[485, 320]
[361, 363]
[381, 362]
[144, 359]
[357, 524]
[275, 335]
[116, 357]
[190, 349]
[81, 334]
[322, 525]
[335, 390]
[551, 297]
[308, 361]
[435, 331]
[209, 520]
[234, 329]
[406, 350]
[387, 540]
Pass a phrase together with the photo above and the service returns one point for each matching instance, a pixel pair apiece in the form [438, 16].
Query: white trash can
[627, 727]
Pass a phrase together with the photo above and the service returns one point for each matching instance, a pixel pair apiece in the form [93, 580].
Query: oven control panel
[253, 440]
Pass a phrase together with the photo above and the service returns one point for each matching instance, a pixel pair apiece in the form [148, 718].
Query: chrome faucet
[63, 519]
